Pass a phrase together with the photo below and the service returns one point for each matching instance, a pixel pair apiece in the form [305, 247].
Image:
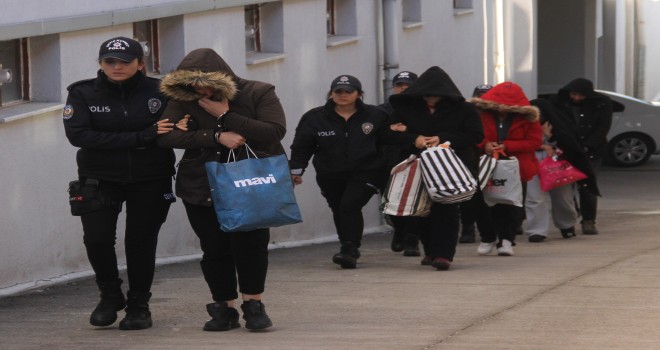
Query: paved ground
[590, 292]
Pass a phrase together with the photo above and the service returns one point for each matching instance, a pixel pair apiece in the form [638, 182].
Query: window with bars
[411, 11]
[264, 32]
[146, 32]
[252, 28]
[15, 70]
[341, 21]
[330, 17]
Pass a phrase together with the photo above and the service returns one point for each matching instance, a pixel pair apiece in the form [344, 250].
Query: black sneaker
[138, 315]
[254, 314]
[468, 234]
[411, 245]
[347, 256]
[536, 238]
[397, 242]
[224, 318]
[567, 232]
[411, 251]
[112, 300]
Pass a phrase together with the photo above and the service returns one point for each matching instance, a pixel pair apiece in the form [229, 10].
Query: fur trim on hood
[507, 97]
[180, 85]
[200, 68]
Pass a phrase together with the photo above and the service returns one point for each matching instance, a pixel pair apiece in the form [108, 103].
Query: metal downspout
[390, 45]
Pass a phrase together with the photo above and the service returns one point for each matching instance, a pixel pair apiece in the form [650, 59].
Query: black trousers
[405, 226]
[346, 194]
[439, 231]
[147, 204]
[469, 210]
[227, 255]
[588, 200]
[501, 220]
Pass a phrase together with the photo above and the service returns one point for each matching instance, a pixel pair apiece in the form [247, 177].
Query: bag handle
[497, 153]
[231, 157]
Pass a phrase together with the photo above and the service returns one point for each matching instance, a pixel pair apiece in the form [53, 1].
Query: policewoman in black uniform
[113, 119]
[345, 136]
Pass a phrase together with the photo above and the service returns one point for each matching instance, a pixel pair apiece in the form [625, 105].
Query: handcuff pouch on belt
[84, 196]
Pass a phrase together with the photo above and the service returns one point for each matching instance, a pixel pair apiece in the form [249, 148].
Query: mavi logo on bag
[255, 181]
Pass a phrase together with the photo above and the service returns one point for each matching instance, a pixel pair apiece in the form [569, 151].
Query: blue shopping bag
[253, 193]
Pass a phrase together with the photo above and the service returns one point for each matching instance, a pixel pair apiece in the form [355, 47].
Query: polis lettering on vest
[95, 109]
[326, 133]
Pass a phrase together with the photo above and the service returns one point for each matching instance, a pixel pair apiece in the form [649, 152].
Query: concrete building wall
[649, 26]
[41, 241]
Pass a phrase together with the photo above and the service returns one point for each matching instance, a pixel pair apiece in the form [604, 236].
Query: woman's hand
[426, 141]
[215, 108]
[491, 147]
[231, 139]
[549, 150]
[398, 127]
[297, 179]
[164, 126]
[183, 123]
[547, 129]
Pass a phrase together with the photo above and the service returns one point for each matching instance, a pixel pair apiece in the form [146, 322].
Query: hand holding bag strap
[231, 157]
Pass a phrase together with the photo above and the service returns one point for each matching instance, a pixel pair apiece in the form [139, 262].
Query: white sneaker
[506, 248]
[485, 248]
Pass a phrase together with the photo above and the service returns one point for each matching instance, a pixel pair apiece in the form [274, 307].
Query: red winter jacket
[524, 135]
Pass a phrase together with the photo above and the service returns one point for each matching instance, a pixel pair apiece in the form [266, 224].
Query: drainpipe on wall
[390, 44]
[500, 54]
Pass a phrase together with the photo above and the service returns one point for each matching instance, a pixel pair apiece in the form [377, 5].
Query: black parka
[114, 126]
[594, 119]
[453, 120]
[565, 139]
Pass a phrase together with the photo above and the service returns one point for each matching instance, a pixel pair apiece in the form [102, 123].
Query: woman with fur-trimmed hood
[511, 125]
[215, 111]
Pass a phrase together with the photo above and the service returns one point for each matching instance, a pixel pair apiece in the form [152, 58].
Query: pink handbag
[556, 172]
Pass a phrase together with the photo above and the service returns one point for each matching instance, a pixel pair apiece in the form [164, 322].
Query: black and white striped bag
[486, 169]
[446, 177]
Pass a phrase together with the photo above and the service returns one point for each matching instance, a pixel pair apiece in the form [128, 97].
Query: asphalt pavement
[588, 292]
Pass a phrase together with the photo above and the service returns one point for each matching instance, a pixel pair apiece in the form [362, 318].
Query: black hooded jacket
[114, 126]
[591, 119]
[453, 120]
[565, 139]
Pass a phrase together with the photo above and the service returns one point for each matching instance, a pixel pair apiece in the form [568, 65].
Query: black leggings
[226, 255]
[147, 204]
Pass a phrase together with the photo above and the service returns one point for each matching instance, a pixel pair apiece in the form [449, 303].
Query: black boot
[138, 315]
[347, 256]
[254, 314]
[411, 245]
[223, 318]
[397, 241]
[468, 234]
[112, 300]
